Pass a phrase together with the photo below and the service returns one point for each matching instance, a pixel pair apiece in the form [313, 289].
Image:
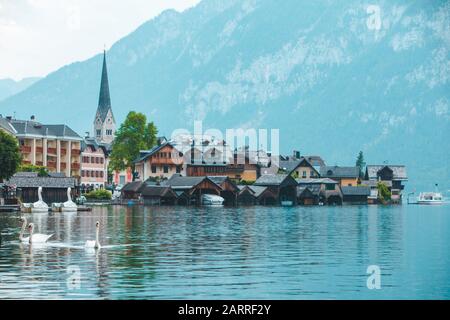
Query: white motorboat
[212, 200]
[430, 198]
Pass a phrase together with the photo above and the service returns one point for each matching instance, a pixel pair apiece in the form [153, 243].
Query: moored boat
[212, 200]
[430, 198]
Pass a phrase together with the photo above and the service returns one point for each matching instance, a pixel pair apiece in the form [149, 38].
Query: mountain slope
[10, 87]
[317, 70]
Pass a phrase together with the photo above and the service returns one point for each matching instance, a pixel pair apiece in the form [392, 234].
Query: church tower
[104, 123]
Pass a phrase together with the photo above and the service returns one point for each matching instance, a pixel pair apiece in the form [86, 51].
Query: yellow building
[56, 147]
[346, 176]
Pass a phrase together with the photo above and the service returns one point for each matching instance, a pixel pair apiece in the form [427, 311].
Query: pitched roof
[179, 182]
[302, 190]
[291, 164]
[144, 154]
[30, 127]
[94, 144]
[6, 125]
[399, 171]
[258, 190]
[274, 180]
[104, 99]
[316, 181]
[339, 172]
[356, 191]
[157, 191]
[33, 181]
[134, 186]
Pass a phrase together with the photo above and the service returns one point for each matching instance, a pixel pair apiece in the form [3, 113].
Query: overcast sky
[39, 36]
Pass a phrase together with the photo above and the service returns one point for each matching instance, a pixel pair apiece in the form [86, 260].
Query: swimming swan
[94, 243]
[35, 238]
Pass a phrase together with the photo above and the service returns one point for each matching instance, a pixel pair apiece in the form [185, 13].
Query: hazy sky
[39, 36]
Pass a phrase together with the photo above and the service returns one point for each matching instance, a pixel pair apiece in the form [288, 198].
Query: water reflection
[256, 252]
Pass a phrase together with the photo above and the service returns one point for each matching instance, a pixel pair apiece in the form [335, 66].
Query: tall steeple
[104, 123]
[104, 100]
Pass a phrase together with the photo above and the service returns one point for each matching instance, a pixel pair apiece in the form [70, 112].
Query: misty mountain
[10, 87]
[335, 77]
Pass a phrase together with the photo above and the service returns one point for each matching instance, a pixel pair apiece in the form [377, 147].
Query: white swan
[24, 223]
[69, 205]
[40, 205]
[94, 243]
[36, 238]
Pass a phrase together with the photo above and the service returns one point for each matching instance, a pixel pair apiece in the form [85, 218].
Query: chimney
[32, 118]
[296, 154]
[9, 118]
[86, 134]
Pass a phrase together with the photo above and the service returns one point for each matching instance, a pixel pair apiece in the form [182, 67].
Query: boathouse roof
[135, 186]
[32, 180]
[313, 189]
[157, 191]
[275, 180]
[355, 191]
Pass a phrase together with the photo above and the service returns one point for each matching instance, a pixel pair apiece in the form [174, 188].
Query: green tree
[134, 134]
[360, 163]
[10, 157]
[383, 192]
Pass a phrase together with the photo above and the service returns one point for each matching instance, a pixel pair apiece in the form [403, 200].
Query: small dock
[9, 208]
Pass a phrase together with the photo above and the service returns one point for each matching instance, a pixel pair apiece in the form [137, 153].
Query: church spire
[104, 100]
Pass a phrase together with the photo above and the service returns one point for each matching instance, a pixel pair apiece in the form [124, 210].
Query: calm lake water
[231, 253]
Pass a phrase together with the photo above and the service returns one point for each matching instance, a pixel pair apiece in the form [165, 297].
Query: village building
[346, 176]
[283, 186]
[94, 170]
[321, 190]
[56, 147]
[54, 187]
[256, 195]
[391, 175]
[162, 161]
[355, 195]
[158, 195]
[299, 168]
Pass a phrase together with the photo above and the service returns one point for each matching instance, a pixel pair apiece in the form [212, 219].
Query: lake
[231, 253]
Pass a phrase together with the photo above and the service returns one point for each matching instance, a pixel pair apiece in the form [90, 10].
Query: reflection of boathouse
[54, 187]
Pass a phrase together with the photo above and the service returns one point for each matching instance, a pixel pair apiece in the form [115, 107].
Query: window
[97, 160]
[153, 169]
[166, 169]
[82, 173]
[101, 174]
[109, 132]
[92, 160]
[178, 169]
[99, 132]
[101, 160]
[88, 174]
[304, 174]
[330, 187]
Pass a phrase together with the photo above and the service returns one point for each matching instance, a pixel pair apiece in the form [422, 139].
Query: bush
[41, 171]
[383, 192]
[99, 194]
[246, 182]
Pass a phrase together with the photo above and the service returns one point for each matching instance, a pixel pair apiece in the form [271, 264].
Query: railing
[75, 166]
[76, 152]
[51, 150]
[63, 165]
[26, 161]
[39, 150]
[26, 149]
[63, 151]
[51, 164]
[39, 163]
